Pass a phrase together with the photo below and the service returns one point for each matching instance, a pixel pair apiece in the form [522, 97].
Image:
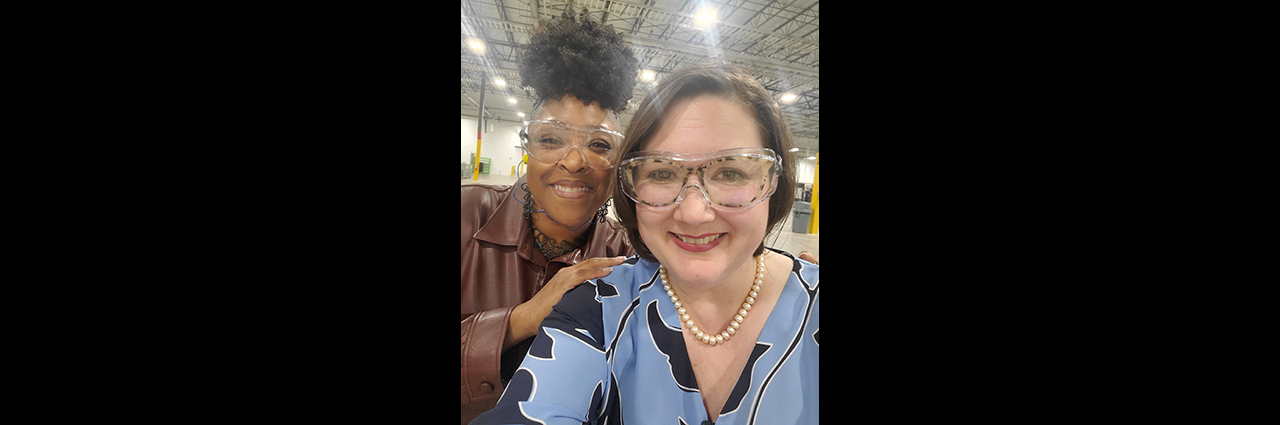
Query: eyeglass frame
[524, 140]
[775, 172]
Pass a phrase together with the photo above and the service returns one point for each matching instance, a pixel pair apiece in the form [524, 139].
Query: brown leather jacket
[501, 268]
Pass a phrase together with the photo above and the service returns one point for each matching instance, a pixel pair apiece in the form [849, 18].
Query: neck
[556, 231]
[549, 233]
[725, 295]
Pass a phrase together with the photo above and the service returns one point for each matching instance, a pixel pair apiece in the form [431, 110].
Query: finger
[592, 268]
[808, 256]
[598, 263]
[586, 273]
[601, 262]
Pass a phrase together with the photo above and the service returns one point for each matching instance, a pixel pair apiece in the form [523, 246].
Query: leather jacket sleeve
[482, 335]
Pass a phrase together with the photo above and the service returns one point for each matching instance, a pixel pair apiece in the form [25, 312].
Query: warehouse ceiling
[775, 41]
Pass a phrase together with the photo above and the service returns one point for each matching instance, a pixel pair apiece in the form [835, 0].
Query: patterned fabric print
[612, 352]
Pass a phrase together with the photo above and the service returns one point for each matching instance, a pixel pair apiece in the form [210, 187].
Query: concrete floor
[785, 239]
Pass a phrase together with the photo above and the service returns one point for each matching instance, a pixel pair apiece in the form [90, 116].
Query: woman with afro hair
[525, 245]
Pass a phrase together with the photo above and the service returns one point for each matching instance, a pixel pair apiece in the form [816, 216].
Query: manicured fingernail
[607, 269]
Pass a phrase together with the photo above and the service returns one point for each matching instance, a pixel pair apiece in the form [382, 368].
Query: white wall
[501, 145]
[804, 167]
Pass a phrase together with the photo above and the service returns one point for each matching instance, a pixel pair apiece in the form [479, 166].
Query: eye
[730, 175]
[599, 144]
[661, 175]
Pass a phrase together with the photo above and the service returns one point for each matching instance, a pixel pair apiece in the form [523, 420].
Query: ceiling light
[813, 157]
[795, 149]
[521, 114]
[512, 100]
[647, 75]
[499, 82]
[705, 17]
[476, 46]
[788, 98]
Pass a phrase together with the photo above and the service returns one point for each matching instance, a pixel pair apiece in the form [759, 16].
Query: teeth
[700, 241]
[572, 189]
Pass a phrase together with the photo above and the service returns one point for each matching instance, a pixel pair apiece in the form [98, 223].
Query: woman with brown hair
[706, 324]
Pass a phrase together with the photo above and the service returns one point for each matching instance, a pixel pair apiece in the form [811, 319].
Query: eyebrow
[599, 127]
[590, 127]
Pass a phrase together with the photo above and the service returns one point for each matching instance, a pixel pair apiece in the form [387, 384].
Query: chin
[566, 216]
[695, 270]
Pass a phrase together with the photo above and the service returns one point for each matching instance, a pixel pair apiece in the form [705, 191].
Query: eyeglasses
[730, 178]
[550, 142]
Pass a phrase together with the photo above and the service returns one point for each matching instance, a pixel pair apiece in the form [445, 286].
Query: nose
[694, 208]
[574, 162]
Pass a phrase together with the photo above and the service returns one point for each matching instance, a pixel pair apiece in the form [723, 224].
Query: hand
[808, 256]
[527, 316]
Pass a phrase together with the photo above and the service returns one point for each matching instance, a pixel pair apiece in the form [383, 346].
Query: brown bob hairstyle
[729, 83]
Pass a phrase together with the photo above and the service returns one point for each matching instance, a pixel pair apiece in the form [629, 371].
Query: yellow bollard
[475, 174]
[813, 219]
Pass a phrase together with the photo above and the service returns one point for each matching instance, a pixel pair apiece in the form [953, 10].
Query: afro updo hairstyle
[582, 57]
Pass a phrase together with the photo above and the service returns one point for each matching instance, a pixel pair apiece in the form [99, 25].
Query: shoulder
[804, 271]
[622, 284]
[475, 195]
[592, 298]
[626, 280]
[583, 309]
[480, 201]
[579, 313]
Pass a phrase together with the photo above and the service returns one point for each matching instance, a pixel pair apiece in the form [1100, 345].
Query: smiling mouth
[573, 189]
[700, 241]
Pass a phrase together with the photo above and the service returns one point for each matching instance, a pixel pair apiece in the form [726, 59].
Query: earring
[603, 210]
[528, 200]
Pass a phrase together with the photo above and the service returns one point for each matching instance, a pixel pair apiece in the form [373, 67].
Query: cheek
[604, 184]
[751, 222]
[653, 230]
[651, 224]
[535, 175]
[536, 168]
[647, 219]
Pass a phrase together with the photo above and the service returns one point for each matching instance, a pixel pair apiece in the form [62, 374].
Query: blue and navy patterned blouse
[612, 352]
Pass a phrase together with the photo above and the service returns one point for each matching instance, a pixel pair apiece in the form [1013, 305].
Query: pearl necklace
[708, 338]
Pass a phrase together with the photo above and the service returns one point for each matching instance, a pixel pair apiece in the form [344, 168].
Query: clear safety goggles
[551, 141]
[730, 178]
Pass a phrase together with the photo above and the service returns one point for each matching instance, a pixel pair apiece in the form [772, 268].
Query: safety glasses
[550, 142]
[730, 178]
